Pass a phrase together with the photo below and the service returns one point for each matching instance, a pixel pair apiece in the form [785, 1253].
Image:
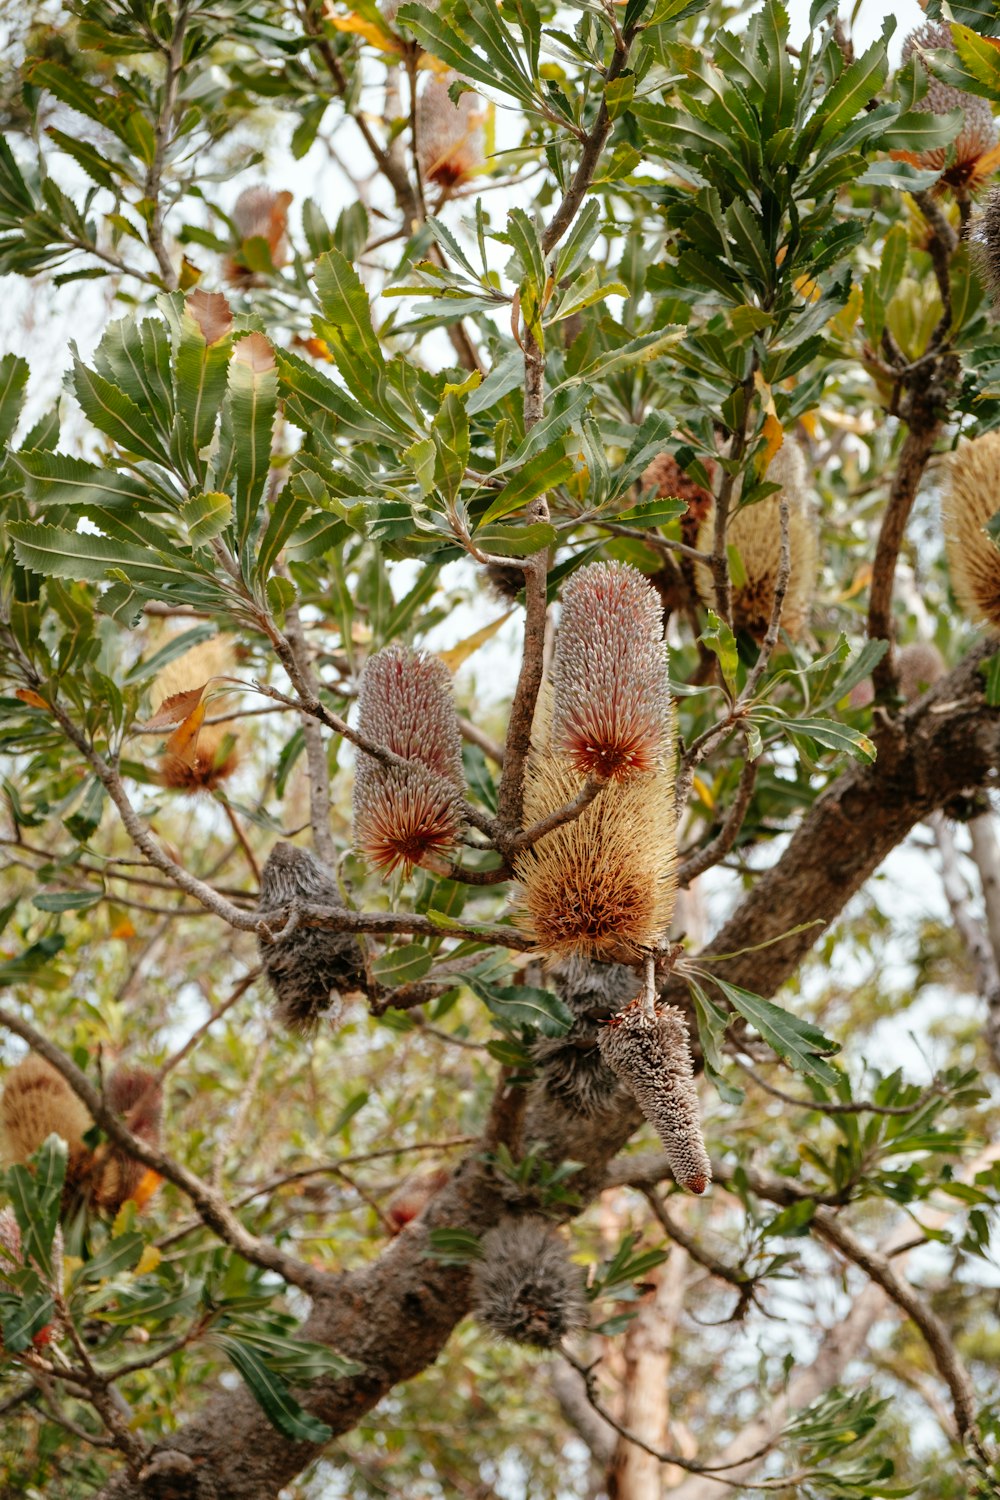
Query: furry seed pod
[525, 1287]
[611, 713]
[259, 213]
[505, 581]
[311, 969]
[38, 1102]
[593, 991]
[984, 239]
[971, 497]
[409, 1201]
[402, 815]
[11, 1260]
[652, 1057]
[134, 1094]
[603, 885]
[450, 142]
[971, 156]
[919, 665]
[572, 1071]
[755, 531]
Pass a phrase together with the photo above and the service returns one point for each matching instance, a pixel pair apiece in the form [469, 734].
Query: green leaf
[918, 131]
[980, 56]
[712, 1023]
[206, 516]
[272, 1394]
[799, 1042]
[253, 404]
[67, 900]
[295, 1358]
[453, 1247]
[451, 439]
[13, 387]
[991, 672]
[540, 474]
[720, 640]
[35, 1311]
[516, 541]
[203, 344]
[57, 479]
[120, 1254]
[404, 965]
[523, 1005]
[290, 507]
[833, 736]
[857, 84]
[653, 512]
[35, 1197]
[115, 414]
[345, 303]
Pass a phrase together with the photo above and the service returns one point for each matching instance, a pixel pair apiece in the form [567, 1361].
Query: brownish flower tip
[135, 1094]
[201, 768]
[38, 1102]
[405, 814]
[612, 707]
[450, 141]
[666, 476]
[651, 1056]
[971, 498]
[259, 213]
[973, 152]
[755, 531]
[603, 885]
[409, 1201]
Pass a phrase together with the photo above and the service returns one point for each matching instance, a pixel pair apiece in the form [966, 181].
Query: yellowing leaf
[27, 695]
[774, 433]
[122, 929]
[175, 709]
[356, 25]
[148, 1184]
[704, 790]
[807, 288]
[148, 1260]
[454, 658]
[183, 743]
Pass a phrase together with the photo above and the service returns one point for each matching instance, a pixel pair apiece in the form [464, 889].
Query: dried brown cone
[572, 1071]
[203, 764]
[259, 213]
[611, 714]
[651, 1056]
[38, 1102]
[971, 497]
[404, 815]
[505, 581]
[450, 142]
[135, 1094]
[755, 531]
[525, 1287]
[668, 479]
[973, 152]
[603, 885]
[312, 968]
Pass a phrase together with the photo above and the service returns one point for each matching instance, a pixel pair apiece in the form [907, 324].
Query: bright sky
[868, 25]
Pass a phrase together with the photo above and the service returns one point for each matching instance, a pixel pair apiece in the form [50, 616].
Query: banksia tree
[12, 1260]
[601, 886]
[971, 498]
[972, 155]
[525, 1288]
[311, 968]
[449, 136]
[136, 1096]
[404, 815]
[38, 1102]
[649, 1051]
[259, 214]
[755, 532]
[574, 1073]
[611, 713]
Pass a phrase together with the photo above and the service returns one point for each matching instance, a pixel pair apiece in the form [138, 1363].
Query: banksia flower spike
[449, 136]
[971, 497]
[38, 1102]
[984, 238]
[406, 814]
[611, 693]
[259, 213]
[312, 967]
[525, 1287]
[134, 1094]
[973, 153]
[755, 531]
[648, 1051]
[603, 885]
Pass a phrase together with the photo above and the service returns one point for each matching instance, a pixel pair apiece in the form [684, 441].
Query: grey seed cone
[309, 970]
[526, 1288]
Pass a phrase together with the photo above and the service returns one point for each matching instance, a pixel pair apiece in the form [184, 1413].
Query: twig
[565, 814]
[851, 1107]
[220, 1010]
[164, 126]
[703, 859]
[317, 759]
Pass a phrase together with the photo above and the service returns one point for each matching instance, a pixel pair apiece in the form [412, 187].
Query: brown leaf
[26, 695]
[175, 709]
[183, 743]
[212, 314]
[255, 351]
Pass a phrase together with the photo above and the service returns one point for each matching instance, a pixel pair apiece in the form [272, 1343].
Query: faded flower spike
[312, 967]
[612, 708]
[38, 1102]
[971, 498]
[603, 885]
[525, 1287]
[449, 136]
[259, 213]
[134, 1094]
[755, 532]
[649, 1052]
[405, 814]
[973, 153]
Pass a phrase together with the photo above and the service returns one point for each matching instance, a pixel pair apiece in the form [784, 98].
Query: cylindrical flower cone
[525, 1288]
[651, 1056]
[603, 885]
[611, 689]
[972, 155]
[406, 814]
[259, 213]
[311, 968]
[449, 136]
[38, 1102]
[755, 532]
[971, 498]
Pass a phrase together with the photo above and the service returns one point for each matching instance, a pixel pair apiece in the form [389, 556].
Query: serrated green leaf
[404, 965]
[206, 516]
[272, 1394]
[13, 387]
[523, 1005]
[799, 1042]
[345, 303]
[115, 414]
[652, 513]
[833, 736]
[252, 402]
[540, 474]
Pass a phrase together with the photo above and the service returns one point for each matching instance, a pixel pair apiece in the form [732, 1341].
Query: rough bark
[396, 1315]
